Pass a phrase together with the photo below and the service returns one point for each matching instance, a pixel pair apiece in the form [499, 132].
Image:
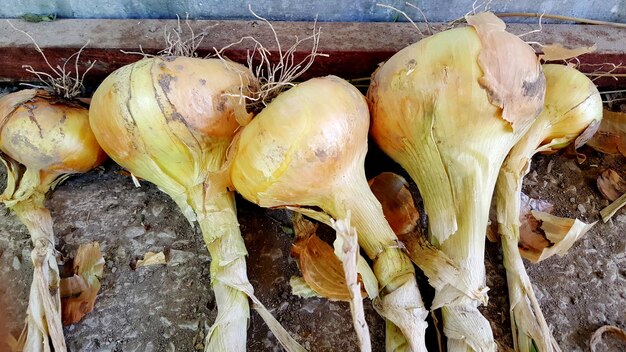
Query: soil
[169, 307]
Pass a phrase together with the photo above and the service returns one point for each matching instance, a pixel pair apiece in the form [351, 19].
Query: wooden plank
[355, 49]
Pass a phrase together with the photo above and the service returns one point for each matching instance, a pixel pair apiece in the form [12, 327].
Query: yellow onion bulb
[47, 134]
[453, 103]
[572, 104]
[169, 119]
[448, 109]
[282, 160]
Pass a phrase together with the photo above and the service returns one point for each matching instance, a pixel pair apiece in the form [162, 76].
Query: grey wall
[303, 10]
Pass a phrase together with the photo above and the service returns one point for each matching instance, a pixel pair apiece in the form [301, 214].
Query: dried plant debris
[300, 288]
[551, 235]
[392, 192]
[613, 208]
[529, 229]
[611, 184]
[557, 52]
[492, 231]
[347, 250]
[611, 137]
[151, 258]
[613, 187]
[542, 234]
[78, 292]
[340, 274]
[320, 267]
[598, 335]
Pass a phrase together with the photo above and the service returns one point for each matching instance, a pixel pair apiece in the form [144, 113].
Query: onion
[448, 109]
[44, 140]
[170, 121]
[307, 149]
[572, 105]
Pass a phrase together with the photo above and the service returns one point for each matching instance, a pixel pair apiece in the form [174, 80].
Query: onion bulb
[44, 140]
[448, 109]
[572, 105]
[307, 149]
[170, 121]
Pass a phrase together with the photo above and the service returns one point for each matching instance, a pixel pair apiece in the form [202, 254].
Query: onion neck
[528, 324]
[509, 185]
[527, 321]
[400, 301]
[467, 245]
[36, 218]
[375, 235]
[470, 176]
[216, 215]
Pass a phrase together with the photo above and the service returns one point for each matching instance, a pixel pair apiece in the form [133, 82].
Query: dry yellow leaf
[320, 267]
[556, 52]
[78, 292]
[611, 137]
[152, 258]
[611, 184]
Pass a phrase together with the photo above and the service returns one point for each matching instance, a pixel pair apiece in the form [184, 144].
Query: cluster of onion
[448, 109]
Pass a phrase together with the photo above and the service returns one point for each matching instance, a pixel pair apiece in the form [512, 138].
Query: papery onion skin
[48, 134]
[172, 111]
[576, 106]
[334, 148]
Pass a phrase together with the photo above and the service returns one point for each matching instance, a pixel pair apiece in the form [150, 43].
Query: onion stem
[349, 256]
[220, 231]
[400, 302]
[217, 216]
[528, 324]
[612, 208]
[565, 119]
[43, 320]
